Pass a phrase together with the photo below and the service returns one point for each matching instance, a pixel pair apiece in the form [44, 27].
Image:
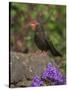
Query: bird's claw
[40, 53]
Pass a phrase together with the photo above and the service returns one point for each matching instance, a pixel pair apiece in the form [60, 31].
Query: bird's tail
[53, 50]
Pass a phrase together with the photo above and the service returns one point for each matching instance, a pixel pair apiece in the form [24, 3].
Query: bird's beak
[33, 25]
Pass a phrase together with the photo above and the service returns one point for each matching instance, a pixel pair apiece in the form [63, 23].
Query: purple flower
[37, 81]
[52, 73]
[59, 83]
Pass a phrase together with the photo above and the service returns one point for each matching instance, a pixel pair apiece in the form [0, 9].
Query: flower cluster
[52, 73]
[37, 81]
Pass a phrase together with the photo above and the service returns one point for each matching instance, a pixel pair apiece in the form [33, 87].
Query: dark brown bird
[41, 39]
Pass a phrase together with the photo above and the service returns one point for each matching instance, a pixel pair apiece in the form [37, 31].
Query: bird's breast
[40, 42]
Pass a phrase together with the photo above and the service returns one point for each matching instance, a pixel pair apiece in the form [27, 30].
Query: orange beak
[33, 24]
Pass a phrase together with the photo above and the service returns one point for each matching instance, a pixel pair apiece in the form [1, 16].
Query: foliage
[53, 15]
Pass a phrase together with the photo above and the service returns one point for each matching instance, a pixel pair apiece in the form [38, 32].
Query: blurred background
[52, 17]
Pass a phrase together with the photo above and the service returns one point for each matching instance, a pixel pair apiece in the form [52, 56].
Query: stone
[23, 67]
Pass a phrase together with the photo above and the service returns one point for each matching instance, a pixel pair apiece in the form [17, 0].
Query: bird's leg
[44, 53]
[40, 53]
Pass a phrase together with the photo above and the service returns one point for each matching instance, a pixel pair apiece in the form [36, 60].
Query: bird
[41, 39]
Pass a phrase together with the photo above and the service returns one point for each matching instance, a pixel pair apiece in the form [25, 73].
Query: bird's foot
[43, 53]
[40, 53]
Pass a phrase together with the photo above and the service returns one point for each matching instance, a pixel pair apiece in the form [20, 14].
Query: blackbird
[41, 39]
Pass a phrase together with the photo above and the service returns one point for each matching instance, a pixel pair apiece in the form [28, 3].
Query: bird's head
[33, 24]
